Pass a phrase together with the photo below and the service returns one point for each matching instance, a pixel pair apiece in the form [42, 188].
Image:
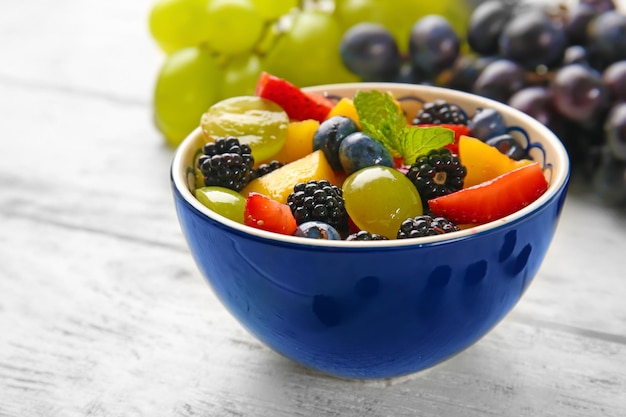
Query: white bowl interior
[546, 148]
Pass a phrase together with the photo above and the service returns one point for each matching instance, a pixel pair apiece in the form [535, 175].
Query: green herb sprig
[381, 119]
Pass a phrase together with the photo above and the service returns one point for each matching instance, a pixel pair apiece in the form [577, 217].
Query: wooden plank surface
[103, 313]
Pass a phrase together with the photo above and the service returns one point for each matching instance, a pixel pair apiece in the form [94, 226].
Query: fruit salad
[298, 163]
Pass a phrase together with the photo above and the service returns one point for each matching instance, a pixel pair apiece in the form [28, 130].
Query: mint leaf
[416, 141]
[380, 118]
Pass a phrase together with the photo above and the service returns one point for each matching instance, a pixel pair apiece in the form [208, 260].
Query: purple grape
[433, 44]
[578, 19]
[486, 24]
[533, 39]
[615, 79]
[500, 79]
[534, 101]
[578, 93]
[465, 71]
[370, 51]
[606, 39]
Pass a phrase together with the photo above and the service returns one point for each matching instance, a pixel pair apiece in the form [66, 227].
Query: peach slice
[279, 184]
[484, 162]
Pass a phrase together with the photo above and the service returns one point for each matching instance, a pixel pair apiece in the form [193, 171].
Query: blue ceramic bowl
[371, 310]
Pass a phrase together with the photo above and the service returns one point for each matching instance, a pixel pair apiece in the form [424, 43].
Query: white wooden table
[103, 313]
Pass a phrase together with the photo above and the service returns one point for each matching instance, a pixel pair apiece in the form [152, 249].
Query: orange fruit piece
[345, 107]
[278, 184]
[484, 162]
[299, 141]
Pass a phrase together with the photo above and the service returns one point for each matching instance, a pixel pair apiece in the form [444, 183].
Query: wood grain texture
[103, 313]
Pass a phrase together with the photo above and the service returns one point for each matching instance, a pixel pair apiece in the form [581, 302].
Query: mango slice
[279, 184]
[299, 141]
[345, 107]
[484, 162]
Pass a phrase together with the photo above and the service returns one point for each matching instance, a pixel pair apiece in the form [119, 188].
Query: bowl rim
[559, 179]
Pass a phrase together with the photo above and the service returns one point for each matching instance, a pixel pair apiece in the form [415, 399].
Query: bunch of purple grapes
[565, 65]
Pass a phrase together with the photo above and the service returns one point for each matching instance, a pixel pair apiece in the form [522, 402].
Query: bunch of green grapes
[215, 49]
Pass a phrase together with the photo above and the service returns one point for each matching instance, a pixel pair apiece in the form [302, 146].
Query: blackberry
[437, 173]
[365, 235]
[321, 201]
[425, 225]
[227, 163]
[440, 112]
[266, 168]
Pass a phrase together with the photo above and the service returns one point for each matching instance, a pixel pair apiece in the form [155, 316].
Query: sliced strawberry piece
[493, 199]
[398, 162]
[262, 212]
[298, 104]
[459, 130]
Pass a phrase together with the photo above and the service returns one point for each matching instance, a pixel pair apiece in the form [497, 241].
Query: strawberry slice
[459, 130]
[263, 213]
[298, 104]
[494, 199]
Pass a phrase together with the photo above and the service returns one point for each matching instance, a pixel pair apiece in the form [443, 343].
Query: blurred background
[562, 62]
[171, 59]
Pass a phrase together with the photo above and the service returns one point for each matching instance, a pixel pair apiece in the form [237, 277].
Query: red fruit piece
[263, 213]
[494, 199]
[459, 130]
[298, 104]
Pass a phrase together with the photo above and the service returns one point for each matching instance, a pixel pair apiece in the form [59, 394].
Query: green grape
[273, 9]
[260, 123]
[223, 201]
[308, 52]
[177, 24]
[241, 74]
[272, 33]
[234, 26]
[187, 85]
[351, 12]
[378, 199]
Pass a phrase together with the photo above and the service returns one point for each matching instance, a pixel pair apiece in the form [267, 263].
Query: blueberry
[329, 136]
[486, 124]
[359, 150]
[317, 230]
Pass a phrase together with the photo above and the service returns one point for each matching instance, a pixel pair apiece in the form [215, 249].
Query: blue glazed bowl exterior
[370, 311]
